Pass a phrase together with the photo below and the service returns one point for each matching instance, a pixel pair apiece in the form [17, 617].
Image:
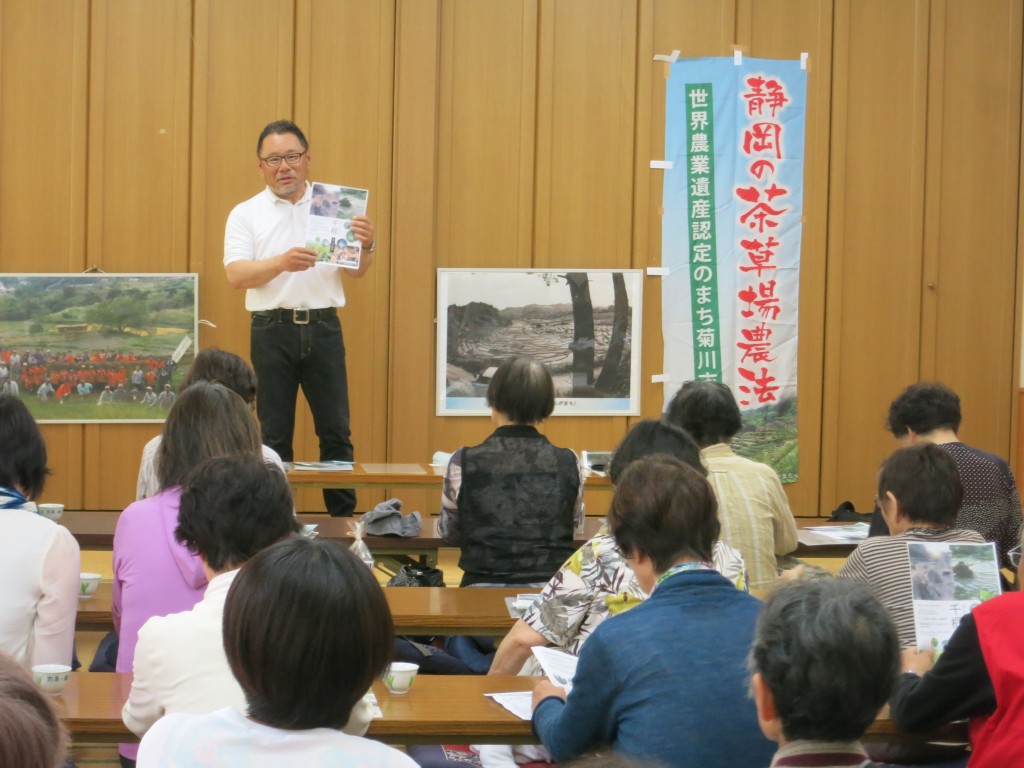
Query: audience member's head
[206, 420]
[825, 658]
[652, 436]
[306, 630]
[522, 390]
[23, 458]
[31, 734]
[924, 481]
[231, 508]
[923, 408]
[665, 510]
[707, 410]
[225, 368]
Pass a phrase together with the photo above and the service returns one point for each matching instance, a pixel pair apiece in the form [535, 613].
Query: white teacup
[51, 511]
[399, 677]
[88, 584]
[51, 677]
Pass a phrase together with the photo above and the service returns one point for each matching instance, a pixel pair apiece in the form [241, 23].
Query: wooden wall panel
[695, 28]
[970, 324]
[783, 30]
[138, 181]
[413, 235]
[241, 83]
[344, 105]
[874, 242]
[586, 119]
[43, 87]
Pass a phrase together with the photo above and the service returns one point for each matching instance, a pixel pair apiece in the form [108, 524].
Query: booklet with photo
[329, 231]
[948, 580]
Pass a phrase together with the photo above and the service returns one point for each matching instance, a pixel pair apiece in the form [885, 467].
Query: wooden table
[440, 709]
[415, 610]
[95, 531]
[395, 476]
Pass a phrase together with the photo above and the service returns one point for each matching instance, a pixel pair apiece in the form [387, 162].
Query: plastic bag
[359, 549]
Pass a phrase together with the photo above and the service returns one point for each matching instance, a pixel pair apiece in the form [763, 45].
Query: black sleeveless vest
[516, 506]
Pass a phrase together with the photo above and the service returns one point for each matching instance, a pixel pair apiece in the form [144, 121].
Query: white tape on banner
[670, 58]
[803, 60]
[659, 378]
[737, 58]
[657, 271]
[663, 164]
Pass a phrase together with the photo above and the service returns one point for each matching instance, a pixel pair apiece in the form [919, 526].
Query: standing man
[295, 334]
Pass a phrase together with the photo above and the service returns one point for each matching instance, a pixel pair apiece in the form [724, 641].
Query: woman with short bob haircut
[659, 681]
[513, 503]
[39, 560]
[306, 630]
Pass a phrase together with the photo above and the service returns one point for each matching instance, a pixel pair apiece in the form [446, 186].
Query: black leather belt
[297, 316]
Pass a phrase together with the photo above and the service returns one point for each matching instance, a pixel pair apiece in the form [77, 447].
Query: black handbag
[417, 576]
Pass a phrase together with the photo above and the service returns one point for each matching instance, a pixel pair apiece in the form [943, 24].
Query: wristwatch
[371, 247]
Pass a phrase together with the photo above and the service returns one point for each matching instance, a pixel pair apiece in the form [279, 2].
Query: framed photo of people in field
[97, 347]
[584, 325]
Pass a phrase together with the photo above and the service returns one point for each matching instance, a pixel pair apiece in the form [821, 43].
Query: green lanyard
[681, 568]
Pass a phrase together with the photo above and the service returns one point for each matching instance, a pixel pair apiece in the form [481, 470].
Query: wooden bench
[439, 709]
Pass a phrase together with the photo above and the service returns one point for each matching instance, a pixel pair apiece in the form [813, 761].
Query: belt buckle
[300, 316]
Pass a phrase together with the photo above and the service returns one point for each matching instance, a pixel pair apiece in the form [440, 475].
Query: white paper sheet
[519, 703]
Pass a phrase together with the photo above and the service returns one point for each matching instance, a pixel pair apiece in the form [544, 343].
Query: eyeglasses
[275, 160]
[1014, 555]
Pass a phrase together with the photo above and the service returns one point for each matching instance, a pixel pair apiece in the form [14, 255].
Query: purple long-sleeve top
[154, 575]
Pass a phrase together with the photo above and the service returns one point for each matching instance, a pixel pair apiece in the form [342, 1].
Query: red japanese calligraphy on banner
[762, 211]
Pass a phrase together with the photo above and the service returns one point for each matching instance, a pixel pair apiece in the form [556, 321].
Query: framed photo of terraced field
[97, 347]
[584, 325]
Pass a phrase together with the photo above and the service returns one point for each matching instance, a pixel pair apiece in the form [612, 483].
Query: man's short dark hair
[925, 480]
[225, 368]
[206, 420]
[306, 631]
[707, 410]
[666, 510]
[231, 508]
[924, 407]
[31, 733]
[828, 652]
[23, 457]
[651, 436]
[522, 389]
[278, 127]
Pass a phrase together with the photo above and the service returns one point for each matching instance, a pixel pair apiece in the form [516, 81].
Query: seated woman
[39, 559]
[667, 681]
[513, 502]
[301, 669]
[154, 575]
[596, 582]
[977, 677]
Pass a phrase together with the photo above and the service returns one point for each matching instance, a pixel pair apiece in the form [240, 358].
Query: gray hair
[829, 654]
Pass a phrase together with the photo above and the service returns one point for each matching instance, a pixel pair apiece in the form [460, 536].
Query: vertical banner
[731, 230]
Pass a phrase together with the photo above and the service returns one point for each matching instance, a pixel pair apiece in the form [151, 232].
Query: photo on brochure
[948, 580]
[329, 231]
